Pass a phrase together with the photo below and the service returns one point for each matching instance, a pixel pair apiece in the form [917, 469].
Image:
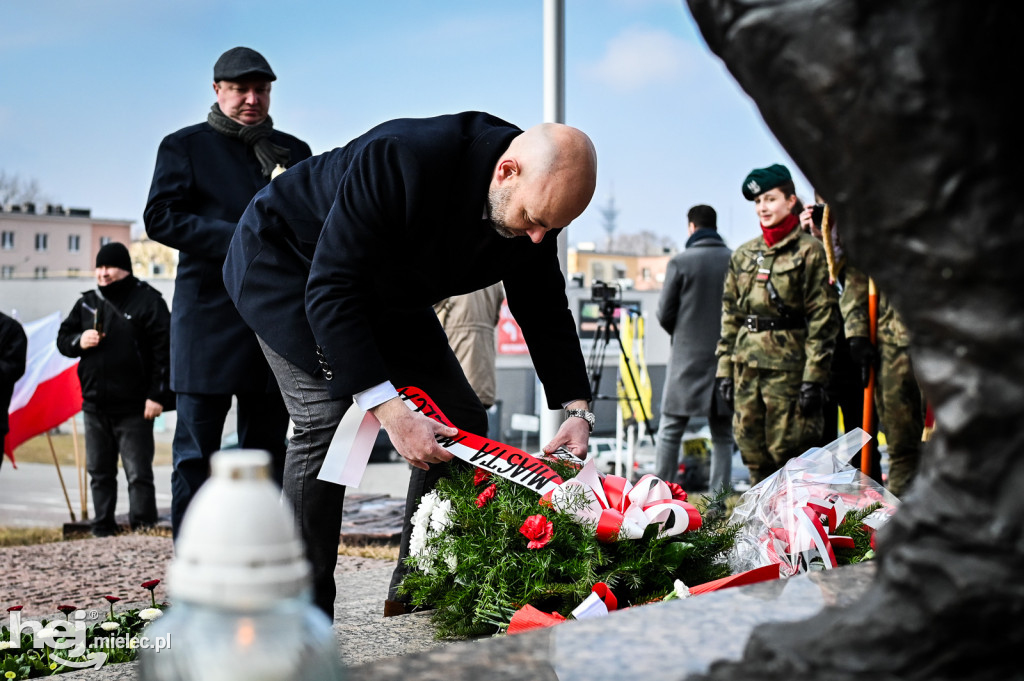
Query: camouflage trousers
[768, 425]
[900, 410]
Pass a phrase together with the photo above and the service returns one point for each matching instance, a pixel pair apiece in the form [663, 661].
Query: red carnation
[486, 495]
[677, 491]
[480, 476]
[15, 608]
[67, 609]
[538, 529]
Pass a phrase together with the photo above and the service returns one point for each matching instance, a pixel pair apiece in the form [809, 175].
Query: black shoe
[393, 608]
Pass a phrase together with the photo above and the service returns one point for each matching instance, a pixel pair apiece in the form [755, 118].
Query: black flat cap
[242, 62]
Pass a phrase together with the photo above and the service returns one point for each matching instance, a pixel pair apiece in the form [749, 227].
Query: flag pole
[869, 424]
[80, 474]
[62, 485]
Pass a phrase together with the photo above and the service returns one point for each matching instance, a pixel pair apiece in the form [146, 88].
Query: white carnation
[440, 517]
[417, 540]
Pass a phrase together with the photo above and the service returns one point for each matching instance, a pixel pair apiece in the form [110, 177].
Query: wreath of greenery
[473, 566]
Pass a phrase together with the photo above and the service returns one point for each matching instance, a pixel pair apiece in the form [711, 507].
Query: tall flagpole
[554, 112]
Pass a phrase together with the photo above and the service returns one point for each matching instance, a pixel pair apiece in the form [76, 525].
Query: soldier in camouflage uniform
[854, 355]
[779, 323]
[898, 399]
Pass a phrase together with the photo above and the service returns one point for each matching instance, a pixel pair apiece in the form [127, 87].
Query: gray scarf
[257, 136]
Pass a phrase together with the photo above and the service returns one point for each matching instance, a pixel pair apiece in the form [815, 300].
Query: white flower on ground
[109, 626]
[451, 561]
[682, 591]
[48, 633]
[150, 614]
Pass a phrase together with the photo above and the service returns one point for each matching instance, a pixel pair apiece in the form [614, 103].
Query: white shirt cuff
[377, 395]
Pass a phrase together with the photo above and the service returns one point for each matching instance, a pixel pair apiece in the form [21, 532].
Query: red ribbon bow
[623, 510]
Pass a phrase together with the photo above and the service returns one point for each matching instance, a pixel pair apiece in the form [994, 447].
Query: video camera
[817, 214]
[601, 292]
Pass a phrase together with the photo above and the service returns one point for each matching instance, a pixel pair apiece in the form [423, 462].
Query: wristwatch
[587, 416]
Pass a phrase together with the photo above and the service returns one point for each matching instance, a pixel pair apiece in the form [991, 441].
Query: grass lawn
[37, 450]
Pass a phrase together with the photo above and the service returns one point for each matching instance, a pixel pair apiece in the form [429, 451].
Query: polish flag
[49, 393]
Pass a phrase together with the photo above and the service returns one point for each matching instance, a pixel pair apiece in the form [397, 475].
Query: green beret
[761, 180]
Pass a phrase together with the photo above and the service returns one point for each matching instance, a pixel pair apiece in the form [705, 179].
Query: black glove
[724, 388]
[812, 396]
[865, 356]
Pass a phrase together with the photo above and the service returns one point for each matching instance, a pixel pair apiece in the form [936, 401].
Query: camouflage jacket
[799, 273]
[854, 304]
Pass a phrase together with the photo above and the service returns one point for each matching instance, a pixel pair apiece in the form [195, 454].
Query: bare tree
[15, 189]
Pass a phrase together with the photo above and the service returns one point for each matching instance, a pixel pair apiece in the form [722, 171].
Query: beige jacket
[470, 321]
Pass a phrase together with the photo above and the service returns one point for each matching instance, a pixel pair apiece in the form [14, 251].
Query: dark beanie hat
[241, 62]
[114, 254]
[761, 180]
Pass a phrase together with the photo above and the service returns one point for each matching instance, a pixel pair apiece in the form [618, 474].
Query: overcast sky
[88, 89]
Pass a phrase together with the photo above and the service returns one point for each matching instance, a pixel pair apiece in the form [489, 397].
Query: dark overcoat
[690, 310]
[13, 349]
[348, 251]
[131, 363]
[202, 183]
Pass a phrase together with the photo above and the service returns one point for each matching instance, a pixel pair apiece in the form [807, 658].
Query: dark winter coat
[13, 348]
[381, 229]
[202, 183]
[132, 362]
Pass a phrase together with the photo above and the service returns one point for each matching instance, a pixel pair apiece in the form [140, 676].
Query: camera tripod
[608, 328]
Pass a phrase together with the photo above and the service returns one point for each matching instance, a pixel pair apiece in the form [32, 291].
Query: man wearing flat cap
[120, 332]
[205, 176]
[779, 324]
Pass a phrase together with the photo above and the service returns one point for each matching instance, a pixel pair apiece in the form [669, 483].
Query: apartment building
[50, 241]
[631, 272]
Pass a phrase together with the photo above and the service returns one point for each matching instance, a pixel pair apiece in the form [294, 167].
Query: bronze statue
[899, 112]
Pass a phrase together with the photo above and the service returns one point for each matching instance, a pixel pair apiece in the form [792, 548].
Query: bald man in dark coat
[337, 263]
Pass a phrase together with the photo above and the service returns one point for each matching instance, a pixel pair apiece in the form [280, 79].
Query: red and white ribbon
[621, 510]
[350, 450]
[811, 532]
[599, 603]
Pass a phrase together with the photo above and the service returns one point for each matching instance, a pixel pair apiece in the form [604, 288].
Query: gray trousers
[317, 505]
[670, 436]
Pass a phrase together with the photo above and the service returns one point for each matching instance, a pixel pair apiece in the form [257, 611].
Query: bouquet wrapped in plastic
[815, 513]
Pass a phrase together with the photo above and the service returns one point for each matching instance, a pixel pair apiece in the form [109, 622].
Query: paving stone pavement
[81, 572]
